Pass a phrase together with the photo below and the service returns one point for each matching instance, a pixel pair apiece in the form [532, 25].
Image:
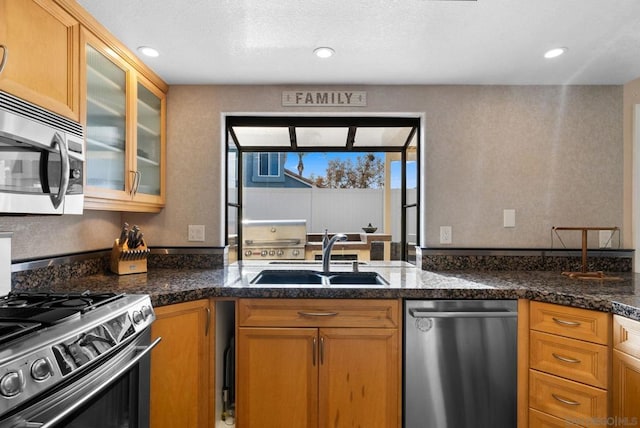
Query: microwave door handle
[64, 173]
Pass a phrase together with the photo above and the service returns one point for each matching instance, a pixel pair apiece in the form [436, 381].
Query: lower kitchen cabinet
[278, 377]
[318, 363]
[569, 366]
[181, 366]
[626, 372]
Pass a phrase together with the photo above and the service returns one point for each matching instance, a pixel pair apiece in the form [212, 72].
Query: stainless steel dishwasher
[460, 364]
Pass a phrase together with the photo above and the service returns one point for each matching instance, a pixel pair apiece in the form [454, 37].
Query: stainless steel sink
[310, 277]
[367, 278]
[288, 277]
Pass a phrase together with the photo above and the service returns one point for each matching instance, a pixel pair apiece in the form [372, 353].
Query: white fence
[339, 210]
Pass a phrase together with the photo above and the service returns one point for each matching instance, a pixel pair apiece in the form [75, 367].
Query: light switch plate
[196, 232]
[509, 218]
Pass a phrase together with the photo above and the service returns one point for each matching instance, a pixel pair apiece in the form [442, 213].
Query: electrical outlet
[445, 235]
[604, 238]
[196, 232]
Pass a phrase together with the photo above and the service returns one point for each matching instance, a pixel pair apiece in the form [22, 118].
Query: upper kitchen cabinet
[39, 59]
[124, 112]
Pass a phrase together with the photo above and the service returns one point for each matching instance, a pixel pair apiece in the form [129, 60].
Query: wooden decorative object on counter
[125, 260]
[584, 274]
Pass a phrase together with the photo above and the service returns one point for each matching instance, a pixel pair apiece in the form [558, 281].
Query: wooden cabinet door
[626, 389]
[180, 366]
[277, 377]
[359, 376]
[42, 49]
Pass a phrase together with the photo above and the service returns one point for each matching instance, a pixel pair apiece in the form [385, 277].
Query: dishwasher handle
[431, 313]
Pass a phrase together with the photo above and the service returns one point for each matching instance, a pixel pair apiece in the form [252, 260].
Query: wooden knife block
[125, 261]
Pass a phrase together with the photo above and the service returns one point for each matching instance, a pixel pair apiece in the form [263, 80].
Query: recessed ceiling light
[323, 52]
[148, 51]
[555, 52]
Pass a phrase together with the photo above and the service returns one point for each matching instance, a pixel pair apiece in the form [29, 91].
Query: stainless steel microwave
[41, 160]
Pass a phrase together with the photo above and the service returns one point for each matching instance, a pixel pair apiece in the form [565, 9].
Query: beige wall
[554, 154]
[631, 98]
[45, 236]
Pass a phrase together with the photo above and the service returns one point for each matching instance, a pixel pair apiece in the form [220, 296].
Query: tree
[368, 172]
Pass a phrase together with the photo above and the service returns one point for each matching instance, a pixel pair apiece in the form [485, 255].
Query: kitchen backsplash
[39, 274]
[524, 260]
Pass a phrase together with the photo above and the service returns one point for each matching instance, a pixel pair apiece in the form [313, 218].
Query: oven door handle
[272, 242]
[142, 352]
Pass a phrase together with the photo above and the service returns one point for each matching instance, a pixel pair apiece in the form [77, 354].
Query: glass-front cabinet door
[149, 156]
[125, 121]
[106, 133]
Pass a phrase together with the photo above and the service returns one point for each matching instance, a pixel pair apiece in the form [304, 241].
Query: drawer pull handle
[566, 323]
[317, 314]
[565, 359]
[565, 401]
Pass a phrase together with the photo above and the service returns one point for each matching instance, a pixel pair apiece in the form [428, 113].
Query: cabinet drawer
[318, 313]
[573, 359]
[626, 335]
[583, 324]
[565, 399]
[542, 420]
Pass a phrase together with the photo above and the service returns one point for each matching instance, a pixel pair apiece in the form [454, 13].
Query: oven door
[113, 395]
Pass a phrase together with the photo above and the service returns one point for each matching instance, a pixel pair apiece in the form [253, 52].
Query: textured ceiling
[381, 41]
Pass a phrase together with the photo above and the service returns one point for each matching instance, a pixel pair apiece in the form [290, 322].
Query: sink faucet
[327, 245]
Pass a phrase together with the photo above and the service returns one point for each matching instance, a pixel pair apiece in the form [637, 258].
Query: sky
[316, 163]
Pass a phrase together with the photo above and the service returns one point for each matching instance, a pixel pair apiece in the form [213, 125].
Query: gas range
[48, 338]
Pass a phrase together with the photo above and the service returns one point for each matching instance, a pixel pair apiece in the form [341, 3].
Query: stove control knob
[248, 253]
[146, 312]
[280, 253]
[41, 369]
[137, 317]
[263, 253]
[272, 252]
[295, 252]
[11, 384]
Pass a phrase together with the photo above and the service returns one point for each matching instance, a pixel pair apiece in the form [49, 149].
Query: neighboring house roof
[299, 178]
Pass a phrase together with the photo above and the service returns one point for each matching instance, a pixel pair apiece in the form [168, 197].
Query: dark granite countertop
[167, 286]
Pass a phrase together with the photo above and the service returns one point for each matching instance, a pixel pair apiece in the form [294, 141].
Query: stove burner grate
[80, 301]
